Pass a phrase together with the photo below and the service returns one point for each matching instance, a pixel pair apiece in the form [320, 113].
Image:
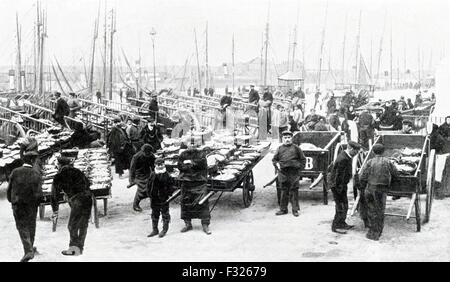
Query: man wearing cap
[338, 176]
[267, 101]
[117, 143]
[444, 129]
[225, 102]
[153, 106]
[376, 178]
[24, 193]
[142, 164]
[75, 186]
[133, 134]
[407, 127]
[74, 105]
[288, 162]
[253, 97]
[365, 128]
[62, 109]
[193, 176]
[151, 134]
[159, 188]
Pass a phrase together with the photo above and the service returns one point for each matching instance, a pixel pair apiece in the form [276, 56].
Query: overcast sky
[415, 24]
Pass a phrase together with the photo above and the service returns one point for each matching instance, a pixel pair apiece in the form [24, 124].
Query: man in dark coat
[331, 104]
[119, 146]
[142, 164]
[253, 98]
[193, 176]
[133, 134]
[333, 119]
[75, 186]
[288, 162]
[267, 100]
[444, 129]
[151, 134]
[225, 102]
[153, 107]
[24, 193]
[366, 129]
[80, 137]
[159, 189]
[62, 109]
[338, 177]
[376, 178]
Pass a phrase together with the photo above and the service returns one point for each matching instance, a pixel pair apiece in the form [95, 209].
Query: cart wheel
[247, 189]
[430, 184]
[41, 212]
[418, 217]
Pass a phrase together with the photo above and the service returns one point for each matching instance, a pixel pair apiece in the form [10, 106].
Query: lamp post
[153, 34]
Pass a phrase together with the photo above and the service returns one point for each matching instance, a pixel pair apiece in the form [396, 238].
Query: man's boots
[206, 228]
[187, 227]
[155, 230]
[165, 229]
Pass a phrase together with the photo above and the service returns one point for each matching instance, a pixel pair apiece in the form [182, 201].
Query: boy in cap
[133, 133]
[75, 186]
[151, 134]
[62, 109]
[24, 193]
[159, 189]
[338, 177]
[288, 162]
[376, 178]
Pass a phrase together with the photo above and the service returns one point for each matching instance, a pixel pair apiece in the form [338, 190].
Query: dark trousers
[25, 217]
[288, 190]
[341, 205]
[364, 135]
[119, 162]
[376, 204]
[160, 208]
[362, 207]
[141, 191]
[80, 211]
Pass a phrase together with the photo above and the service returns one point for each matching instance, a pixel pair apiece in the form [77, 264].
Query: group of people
[24, 192]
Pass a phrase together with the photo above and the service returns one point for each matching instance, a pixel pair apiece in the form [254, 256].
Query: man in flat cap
[407, 127]
[24, 193]
[339, 175]
[376, 178]
[253, 98]
[288, 162]
[119, 146]
[151, 134]
[142, 164]
[74, 104]
[75, 186]
[62, 109]
[133, 133]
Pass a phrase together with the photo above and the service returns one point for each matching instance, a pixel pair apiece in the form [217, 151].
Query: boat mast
[232, 62]
[19, 63]
[198, 63]
[105, 55]
[294, 44]
[357, 49]
[321, 47]
[266, 46]
[343, 49]
[91, 70]
[380, 50]
[289, 54]
[41, 66]
[207, 67]
[113, 30]
[391, 57]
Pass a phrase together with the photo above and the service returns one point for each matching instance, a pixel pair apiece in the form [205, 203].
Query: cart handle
[421, 157]
[338, 134]
[368, 154]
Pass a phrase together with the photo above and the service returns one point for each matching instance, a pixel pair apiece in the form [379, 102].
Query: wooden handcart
[317, 160]
[419, 186]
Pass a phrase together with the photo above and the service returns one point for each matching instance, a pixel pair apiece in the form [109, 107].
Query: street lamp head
[153, 32]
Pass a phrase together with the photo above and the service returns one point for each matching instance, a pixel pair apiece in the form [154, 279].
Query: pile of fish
[94, 163]
[47, 140]
[309, 147]
[225, 161]
[406, 160]
[97, 167]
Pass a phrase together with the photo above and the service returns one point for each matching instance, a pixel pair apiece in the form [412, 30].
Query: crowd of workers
[133, 147]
